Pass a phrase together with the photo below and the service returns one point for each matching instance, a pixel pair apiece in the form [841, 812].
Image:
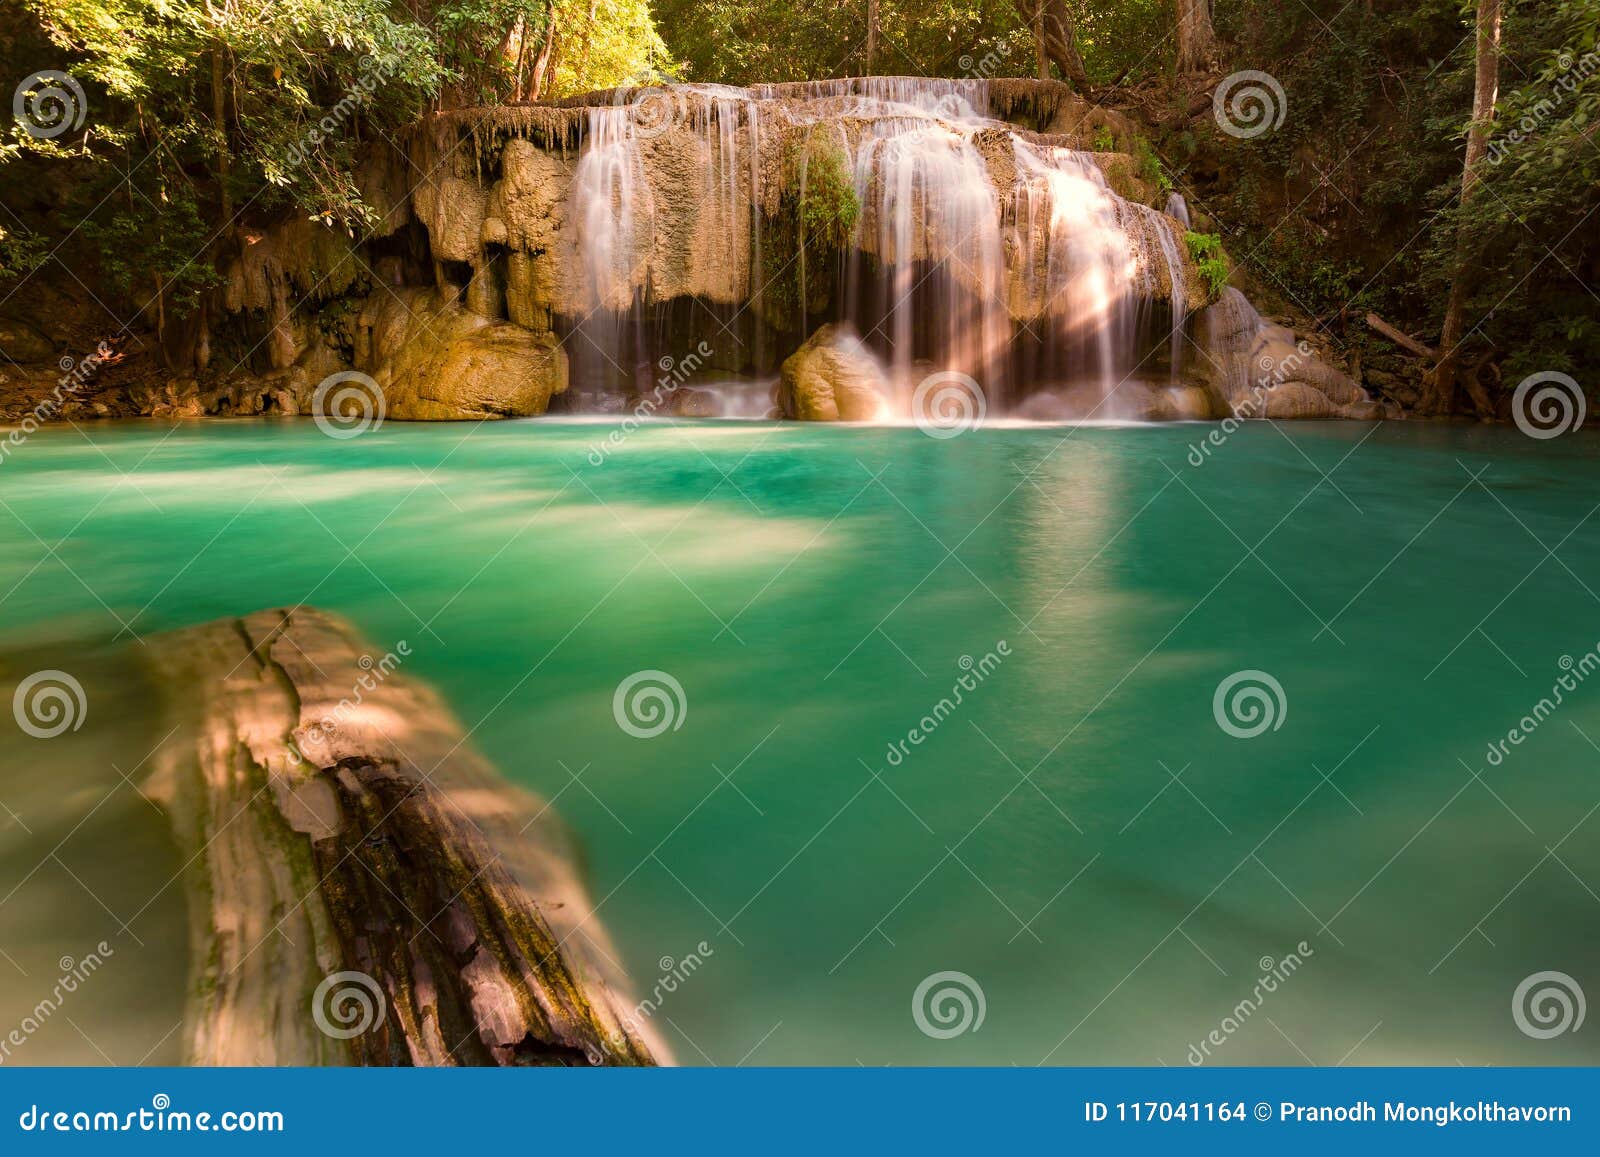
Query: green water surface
[1079, 837]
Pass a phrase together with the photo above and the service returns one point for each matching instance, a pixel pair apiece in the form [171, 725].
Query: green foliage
[815, 224]
[1151, 170]
[828, 206]
[1205, 249]
[1354, 202]
[752, 41]
[155, 244]
[1104, 140]
[204, 115]
[21, 251]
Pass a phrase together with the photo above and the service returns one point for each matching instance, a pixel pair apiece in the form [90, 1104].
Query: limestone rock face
[833, 377]
[437, 362]
[453, 209]
[1259, 370]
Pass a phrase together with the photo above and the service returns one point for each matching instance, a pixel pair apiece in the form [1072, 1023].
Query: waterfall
[1178, 209]
[926, 194]
[978, 249]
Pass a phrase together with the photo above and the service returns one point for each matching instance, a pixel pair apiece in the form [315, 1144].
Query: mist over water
[1080, 836]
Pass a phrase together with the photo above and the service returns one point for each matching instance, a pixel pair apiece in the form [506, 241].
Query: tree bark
[219, 126]
[1197, 41]
[1441, 383]
[329, 866]
[1058, 36]
[541, 65]
[872, 35]
[1400, 338]
[1042, 55]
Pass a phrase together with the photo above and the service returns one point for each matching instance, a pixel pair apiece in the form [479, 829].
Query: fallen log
[1402, 339]
[364, 888]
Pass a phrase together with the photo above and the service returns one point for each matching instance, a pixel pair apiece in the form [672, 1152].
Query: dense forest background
[193, 113]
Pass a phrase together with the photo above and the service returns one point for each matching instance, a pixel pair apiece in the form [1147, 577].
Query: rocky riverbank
[1006, 232]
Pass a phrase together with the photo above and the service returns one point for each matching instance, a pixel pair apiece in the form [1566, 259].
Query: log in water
[363, 888]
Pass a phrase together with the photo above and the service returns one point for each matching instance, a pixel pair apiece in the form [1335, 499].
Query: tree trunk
[588, 44]
[1441, 383]
[353, 900]
[1197, 41]
[219, 127]
[1058, 37]
[1042, 55]
[872, 35]
[542, 64]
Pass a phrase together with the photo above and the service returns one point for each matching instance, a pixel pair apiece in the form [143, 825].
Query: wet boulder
[833, 377]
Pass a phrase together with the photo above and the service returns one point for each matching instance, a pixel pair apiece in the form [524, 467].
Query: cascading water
[613, 200]
[938, 294]
[978, 249]
[1178, 209]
